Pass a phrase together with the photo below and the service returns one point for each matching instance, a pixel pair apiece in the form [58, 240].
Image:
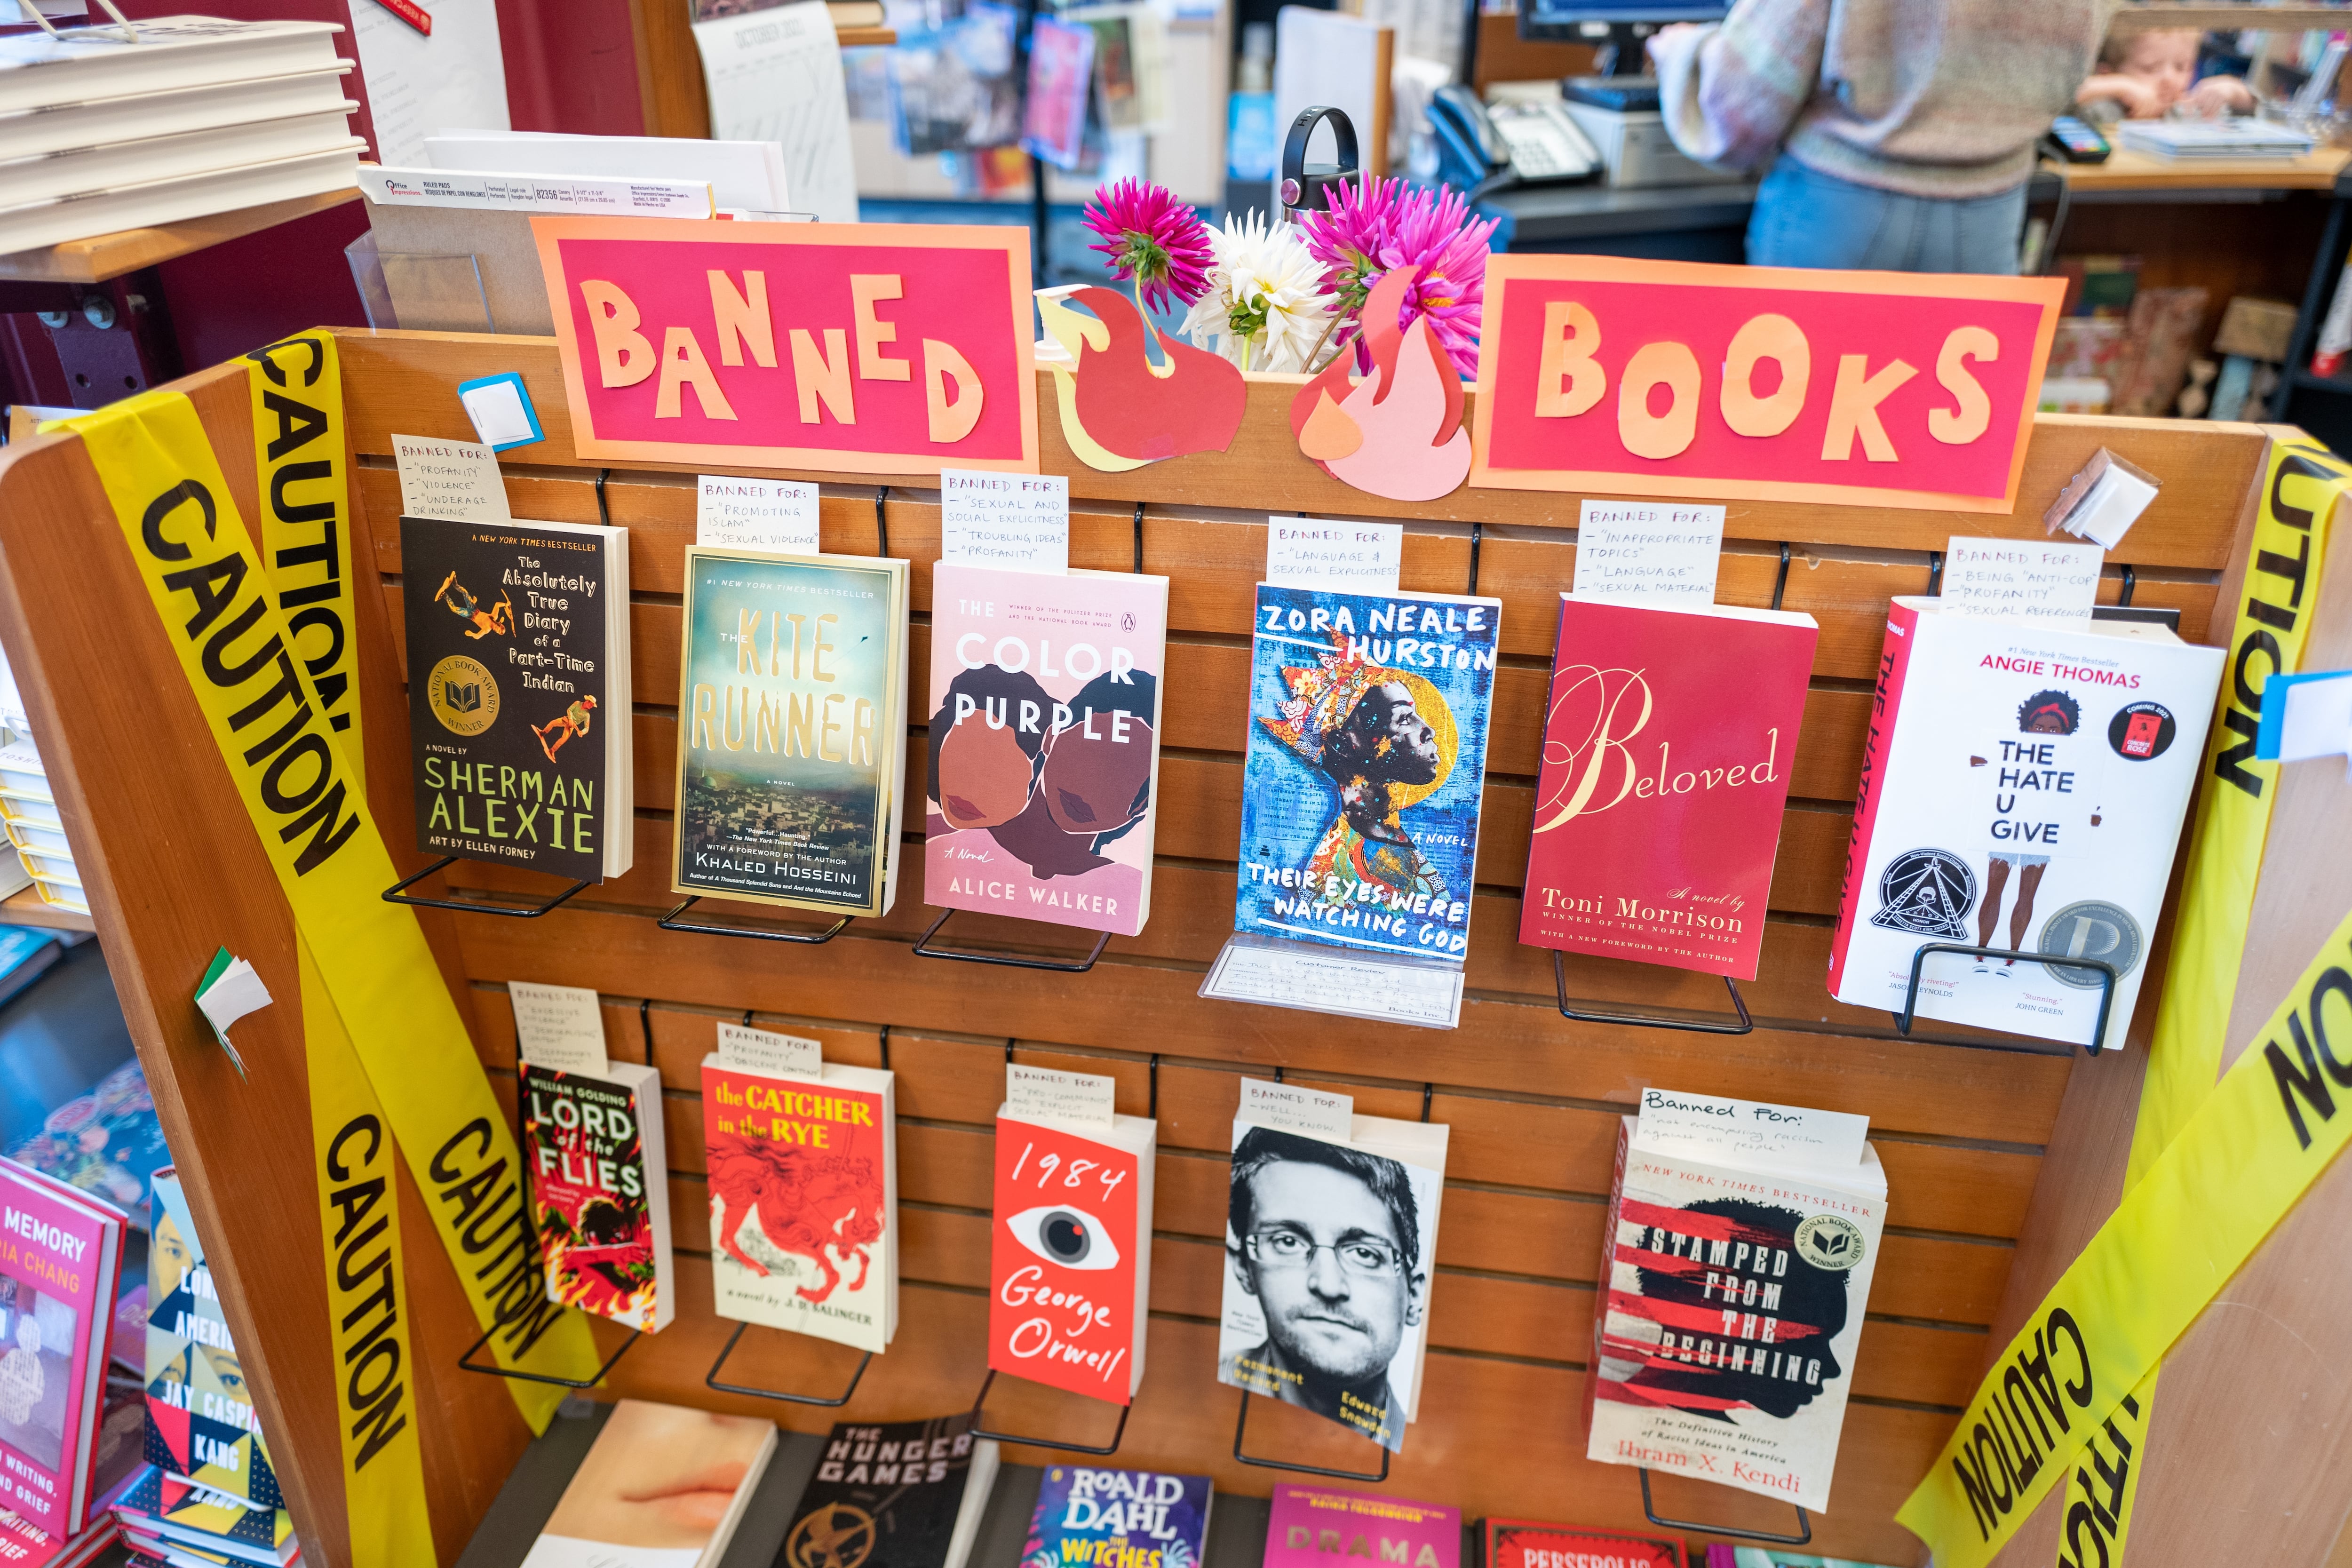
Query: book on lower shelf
[519, 630]
[27, 1545]
[897, 1494]
[1324, 1527]
[600, 1190]
[60, 1264]
[167, 1517]
[200, 1423]
[662, 1487]
[1096, 1517]
[1523, 1543]
[2024, 787]
[1071, 1221]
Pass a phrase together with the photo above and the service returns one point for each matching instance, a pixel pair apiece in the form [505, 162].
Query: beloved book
[662, 1487]
[519, 693]
[1089, 1517]
[1323, 1527]
[1069, 1275]
[1736, 1261]
[1521, 1543]
[1367, 757]
[1044, 744]
[201, 1424]
[804, 1199]
[2023, 787]
[1301, 1207]
[178, 1515]
[600, 1190]
[60, 1258]
[903, 1494]
[1668, 738]
[793, 713]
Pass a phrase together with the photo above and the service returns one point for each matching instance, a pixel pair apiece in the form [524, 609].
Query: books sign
[1598, 374]
[819, 346]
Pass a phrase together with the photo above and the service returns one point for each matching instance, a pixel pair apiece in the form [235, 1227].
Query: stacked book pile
[2193, 141]
[186, 117]
[29, 813]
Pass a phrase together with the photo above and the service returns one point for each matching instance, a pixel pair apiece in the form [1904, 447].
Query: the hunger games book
[1669, 736]
[518, 714]
[902, 1494]
[599, 1190]
[792, 729]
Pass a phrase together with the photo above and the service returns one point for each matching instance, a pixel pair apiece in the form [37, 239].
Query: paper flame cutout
[1119, 412]
[1397, 433]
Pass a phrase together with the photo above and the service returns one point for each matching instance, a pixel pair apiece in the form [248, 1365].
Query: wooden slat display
[1960, 1118]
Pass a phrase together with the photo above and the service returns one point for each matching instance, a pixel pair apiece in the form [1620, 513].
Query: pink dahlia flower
[1153, 239]
[1376, 225]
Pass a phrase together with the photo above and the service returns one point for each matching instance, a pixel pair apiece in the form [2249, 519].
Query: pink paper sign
[851, 348]
[1598, 375]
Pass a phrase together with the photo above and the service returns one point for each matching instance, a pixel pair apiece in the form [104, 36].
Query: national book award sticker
[1826, 1241]
[465, 697]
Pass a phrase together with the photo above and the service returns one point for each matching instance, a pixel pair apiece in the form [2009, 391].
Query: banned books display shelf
[1962, 1122]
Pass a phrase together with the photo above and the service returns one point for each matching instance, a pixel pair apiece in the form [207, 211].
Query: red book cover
[1669, 737]
[1518, 1543]
[1070, 1254]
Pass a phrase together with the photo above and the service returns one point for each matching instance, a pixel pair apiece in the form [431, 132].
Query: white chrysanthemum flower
[1266, 307]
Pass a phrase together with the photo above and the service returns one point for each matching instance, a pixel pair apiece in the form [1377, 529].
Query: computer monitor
[1600, 21]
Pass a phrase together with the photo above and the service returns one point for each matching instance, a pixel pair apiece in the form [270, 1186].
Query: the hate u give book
[1044, 744]
[1070, 1251]
[1668, 738]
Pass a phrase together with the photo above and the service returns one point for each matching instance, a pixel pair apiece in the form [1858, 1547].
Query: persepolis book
[2023, 788]
[1044, 744]
[600, 1190]
[1523, 1543]
[1735, 1266]
[1669, 736]
[792, 729]
[804, 1199]
[1367, 759]
[518, 712]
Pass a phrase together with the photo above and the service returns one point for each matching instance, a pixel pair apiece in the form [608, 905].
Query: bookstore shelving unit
[1964, 1123]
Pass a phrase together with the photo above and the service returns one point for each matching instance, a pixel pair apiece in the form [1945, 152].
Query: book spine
[1903, 626]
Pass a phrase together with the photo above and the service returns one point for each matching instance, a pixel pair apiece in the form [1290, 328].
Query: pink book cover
[1322, 1526]
[1668, 742]
[57, 1267]
[1044, 744]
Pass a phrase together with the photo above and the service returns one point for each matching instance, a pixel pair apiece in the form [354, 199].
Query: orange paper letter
[743, 319]
[1647, 435]
[1957, 426]
[865, 288]
[952, 420]
[1854, 409]
[1783, 342]
[683, 365]
[824, 376]
[623, 357]
[1570, 338]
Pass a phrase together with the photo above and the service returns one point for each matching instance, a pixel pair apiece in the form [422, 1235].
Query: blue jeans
[1803, 218]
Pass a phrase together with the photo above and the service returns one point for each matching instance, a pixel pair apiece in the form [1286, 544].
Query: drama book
[903, 1494]
[1668, 738]
[2022, 788]
[1044, 744]
[201, 1424]
[1521, 1543]
[1367, 757]
[1070, 1275]
[600, 1190]
[1367, 1207]
[1089, 1517]
[519, 693]
[1736, 1262]
[804, 1199]
[662, 1487]
[1322, 1526]
[791, 707]
[60, 1258]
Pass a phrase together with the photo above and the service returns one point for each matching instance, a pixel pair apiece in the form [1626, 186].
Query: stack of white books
[29, 813]
[191, 116]
[2192, 141]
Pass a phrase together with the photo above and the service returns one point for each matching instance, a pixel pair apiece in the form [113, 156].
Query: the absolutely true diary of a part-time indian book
[518, 714]
[792, 729]
[1045, 741]
[1668, 740]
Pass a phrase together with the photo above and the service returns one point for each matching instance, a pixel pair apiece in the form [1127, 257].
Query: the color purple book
[1322, 1526]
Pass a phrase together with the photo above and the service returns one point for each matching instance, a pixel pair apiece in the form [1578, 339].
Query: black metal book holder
[1804, 1525]
[980, 1428]
[711, 1379]
[2107, 978]
[923, 949]
[486, 905]
[755, 931]
[1650, 1020]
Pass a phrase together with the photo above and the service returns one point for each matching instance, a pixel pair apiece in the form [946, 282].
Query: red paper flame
[1398, 433]
[1134, 414]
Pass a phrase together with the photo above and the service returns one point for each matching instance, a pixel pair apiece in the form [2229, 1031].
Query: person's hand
[2138, 98]
[2217, 96]
[1666, 34]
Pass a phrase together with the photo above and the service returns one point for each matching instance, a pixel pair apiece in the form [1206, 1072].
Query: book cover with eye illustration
[518, 714]
[1367, 759]
[1069, 1275]
[1089, 1518]
[599, 1190]
[1044, 744]
[1736, 1268]
[792, 729]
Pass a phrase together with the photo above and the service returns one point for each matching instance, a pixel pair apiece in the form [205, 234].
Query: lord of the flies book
[599, 1190]
[792, 729]
[1044, 744]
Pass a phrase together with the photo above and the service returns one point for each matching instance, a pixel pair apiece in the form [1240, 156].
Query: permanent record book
[1669, 735]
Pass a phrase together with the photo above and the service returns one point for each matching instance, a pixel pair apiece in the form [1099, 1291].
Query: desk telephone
[1483, 150]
